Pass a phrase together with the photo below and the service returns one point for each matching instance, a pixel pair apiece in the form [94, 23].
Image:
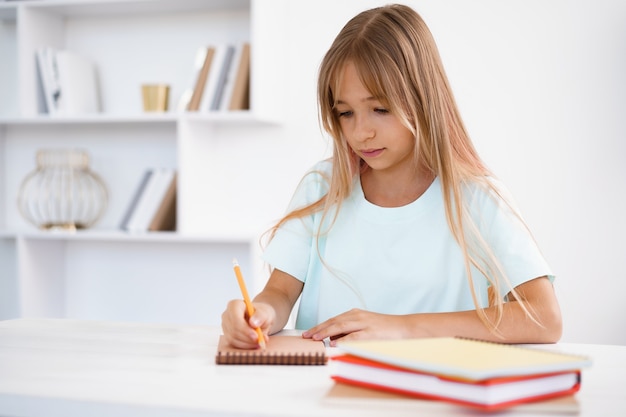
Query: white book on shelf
[199, 88]
[132, 207]
[164, 180]
[139, 206]
[239, 93]
[185, 98]
[49, 78]
[210, 88]
[78, 84]
[150, 202]
[165, 217]
[218, 97]
[231, 77]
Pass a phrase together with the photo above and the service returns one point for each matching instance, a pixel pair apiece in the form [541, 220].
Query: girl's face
[374, 134]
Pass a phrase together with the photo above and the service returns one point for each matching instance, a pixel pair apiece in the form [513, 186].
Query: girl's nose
[363, 128]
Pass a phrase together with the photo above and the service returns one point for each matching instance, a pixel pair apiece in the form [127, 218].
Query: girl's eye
[346, 113]
[381, 110]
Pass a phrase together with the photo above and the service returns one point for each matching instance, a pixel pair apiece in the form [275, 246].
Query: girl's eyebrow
[370, 98]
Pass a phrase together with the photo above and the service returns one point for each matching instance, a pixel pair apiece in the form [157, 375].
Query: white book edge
[49, 76]
[231, 78]
[78, 84]
[219, 96]
[187, 94]
[157, 190]
[212, 82]
[136, 198]
[140, 209]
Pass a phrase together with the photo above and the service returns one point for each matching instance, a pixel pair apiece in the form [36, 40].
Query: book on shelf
[164, 219]
[280, 350]
[153, 206]
[237, 87]
[198, 64]
[48, 78]
[139, 192]
[79, 84]
[218, 95]
[69, 82]
[221, 80]
[216, 75]
[474, 373]
[199, 88]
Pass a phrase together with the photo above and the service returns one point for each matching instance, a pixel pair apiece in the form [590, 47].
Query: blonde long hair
[399, 64]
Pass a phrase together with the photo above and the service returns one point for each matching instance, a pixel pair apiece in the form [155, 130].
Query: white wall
[541, 86]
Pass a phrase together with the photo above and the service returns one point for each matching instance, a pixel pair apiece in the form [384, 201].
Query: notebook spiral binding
[263, 358]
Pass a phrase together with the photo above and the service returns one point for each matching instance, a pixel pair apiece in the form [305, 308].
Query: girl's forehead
[349, 73]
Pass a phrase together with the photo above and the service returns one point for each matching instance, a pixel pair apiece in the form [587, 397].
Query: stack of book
[221, 79]
[153, 206]
[484, 375]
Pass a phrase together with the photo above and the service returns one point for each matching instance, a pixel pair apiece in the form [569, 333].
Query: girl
[404, 232]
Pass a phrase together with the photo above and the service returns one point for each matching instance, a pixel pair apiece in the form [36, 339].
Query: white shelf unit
[102, 273]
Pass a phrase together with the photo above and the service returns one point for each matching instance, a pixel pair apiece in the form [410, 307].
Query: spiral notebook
[281, 350]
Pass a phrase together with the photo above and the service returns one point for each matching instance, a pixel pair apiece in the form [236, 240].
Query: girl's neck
[397, 188]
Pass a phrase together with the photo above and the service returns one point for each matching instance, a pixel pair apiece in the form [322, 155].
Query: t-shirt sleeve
[290, 248]
[508, 236]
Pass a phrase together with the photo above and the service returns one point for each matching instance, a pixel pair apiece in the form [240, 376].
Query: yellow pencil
[246, 299]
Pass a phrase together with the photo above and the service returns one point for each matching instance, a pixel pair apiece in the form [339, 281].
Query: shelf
[135, 42]
[216, 118]
[126, 237]
[243, 117]
[80, 8]
[88, 119]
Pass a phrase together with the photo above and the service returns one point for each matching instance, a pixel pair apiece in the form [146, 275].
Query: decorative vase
[62, 193]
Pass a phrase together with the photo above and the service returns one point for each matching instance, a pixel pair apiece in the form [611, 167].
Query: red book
[471, 372]
[490, 394]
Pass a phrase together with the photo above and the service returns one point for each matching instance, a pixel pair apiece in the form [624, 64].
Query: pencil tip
[235, 263]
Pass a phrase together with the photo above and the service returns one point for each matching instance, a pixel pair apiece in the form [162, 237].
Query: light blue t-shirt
[397, 260]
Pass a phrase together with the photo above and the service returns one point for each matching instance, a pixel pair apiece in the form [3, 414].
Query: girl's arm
[272, 307]
[281, 292]
[515, 327]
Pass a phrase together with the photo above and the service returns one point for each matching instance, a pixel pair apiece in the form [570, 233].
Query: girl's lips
[372, 153]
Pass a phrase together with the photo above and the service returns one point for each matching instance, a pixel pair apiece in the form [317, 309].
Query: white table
[68, 368]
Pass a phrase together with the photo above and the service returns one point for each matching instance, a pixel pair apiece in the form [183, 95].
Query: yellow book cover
[464, 358]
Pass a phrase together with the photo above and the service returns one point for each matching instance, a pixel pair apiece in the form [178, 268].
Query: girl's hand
[359, 325]
[239, 330]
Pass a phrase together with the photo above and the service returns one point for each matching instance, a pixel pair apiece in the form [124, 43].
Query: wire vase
[62, 192]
